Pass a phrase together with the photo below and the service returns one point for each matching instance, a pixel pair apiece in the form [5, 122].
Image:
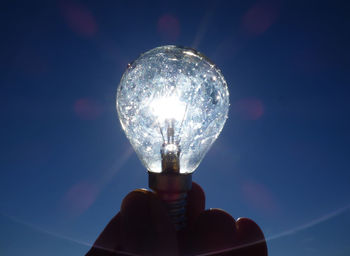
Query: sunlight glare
[168, 108]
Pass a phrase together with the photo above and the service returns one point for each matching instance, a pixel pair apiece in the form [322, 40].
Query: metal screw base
[176, 205]
[172, 189]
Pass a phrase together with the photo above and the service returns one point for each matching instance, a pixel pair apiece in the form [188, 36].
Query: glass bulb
[172, 104]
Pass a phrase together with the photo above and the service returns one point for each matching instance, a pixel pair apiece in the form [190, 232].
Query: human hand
[143, 227]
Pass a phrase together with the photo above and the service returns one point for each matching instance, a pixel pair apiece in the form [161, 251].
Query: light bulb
[172, 104]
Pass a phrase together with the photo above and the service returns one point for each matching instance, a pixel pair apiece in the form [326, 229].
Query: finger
[213, 231]
[251, 239]
[195, 206]
[109, 241]
[146, 225]
[195, 203]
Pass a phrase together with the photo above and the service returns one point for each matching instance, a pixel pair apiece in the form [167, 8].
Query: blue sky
[282, 158]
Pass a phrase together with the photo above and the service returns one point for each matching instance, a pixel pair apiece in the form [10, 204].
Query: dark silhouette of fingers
[213, 232]
[143, 227]
[251, 239]
[109, 241]
[146, 225]
[195, 203]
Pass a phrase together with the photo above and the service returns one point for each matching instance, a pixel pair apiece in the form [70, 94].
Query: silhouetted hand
[143, 227]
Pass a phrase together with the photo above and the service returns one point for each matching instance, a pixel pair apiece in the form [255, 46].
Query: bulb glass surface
[177, 91]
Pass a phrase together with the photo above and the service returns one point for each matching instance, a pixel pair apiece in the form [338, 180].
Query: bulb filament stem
[170, 151]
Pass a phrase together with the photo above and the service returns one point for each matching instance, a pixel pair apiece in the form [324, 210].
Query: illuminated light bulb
[172, 104]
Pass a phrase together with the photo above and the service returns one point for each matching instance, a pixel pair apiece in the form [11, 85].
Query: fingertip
[214, 230]
[197, 192]
[251, 238]
[249, 229]
[134, 198]
[195, 202]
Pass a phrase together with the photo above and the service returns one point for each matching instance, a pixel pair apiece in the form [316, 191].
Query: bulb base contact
[172, 188]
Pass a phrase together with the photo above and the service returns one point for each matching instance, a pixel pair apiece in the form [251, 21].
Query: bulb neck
[172, 188]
